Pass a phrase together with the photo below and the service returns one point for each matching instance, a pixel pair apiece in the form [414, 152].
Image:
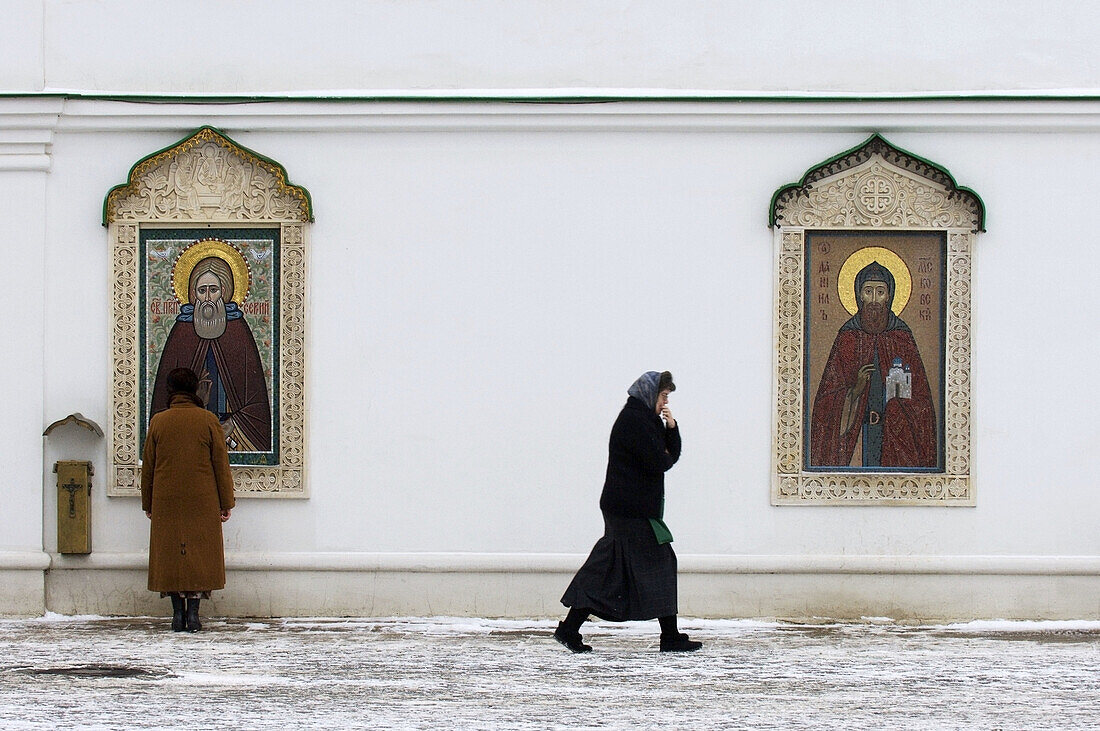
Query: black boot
[568, 632]
[193, 623]
[673, 640]
[679, 643]
[571, 639]
[177, 612]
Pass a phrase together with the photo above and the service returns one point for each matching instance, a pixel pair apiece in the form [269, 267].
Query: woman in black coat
[631, 572]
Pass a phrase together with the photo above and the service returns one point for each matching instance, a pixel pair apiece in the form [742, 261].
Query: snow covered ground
[115, 673]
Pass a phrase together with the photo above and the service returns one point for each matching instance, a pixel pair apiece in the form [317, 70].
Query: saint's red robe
[909, 425]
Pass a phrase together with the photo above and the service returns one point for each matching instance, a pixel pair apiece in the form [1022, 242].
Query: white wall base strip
[564, 562]
[909, 589]
[33, 560]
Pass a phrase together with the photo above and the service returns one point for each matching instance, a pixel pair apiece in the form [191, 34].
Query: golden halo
[846, 282]
[201, 249]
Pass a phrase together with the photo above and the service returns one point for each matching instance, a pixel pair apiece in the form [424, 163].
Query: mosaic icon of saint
[212, 338]
[874, 389]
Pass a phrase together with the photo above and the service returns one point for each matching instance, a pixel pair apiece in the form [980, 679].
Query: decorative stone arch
[239, 190]
[871, 190]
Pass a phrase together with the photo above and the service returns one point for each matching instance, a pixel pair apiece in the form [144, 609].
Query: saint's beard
[874, 317]
[210, 319]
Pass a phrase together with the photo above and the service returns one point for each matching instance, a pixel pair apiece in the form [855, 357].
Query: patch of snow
[54, 617]
[1005, 625]
[221, 679]
[458, 672]
[481, 626]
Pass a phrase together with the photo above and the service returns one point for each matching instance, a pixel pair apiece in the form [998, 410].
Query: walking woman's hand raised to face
[670, 420]
[663, 411]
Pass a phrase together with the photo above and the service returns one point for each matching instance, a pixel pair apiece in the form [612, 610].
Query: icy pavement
[100, 673]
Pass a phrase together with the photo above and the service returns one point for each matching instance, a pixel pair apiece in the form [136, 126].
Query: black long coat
[639, 453]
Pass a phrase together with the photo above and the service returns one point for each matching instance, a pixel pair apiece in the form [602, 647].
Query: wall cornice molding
[635, 115]
[27, 123]
[26, 132]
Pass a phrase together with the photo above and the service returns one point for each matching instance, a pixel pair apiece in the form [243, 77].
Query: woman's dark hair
[182, 380]
[665, 383]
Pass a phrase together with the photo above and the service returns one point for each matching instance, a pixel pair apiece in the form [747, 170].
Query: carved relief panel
[872, 377]
[208, 271]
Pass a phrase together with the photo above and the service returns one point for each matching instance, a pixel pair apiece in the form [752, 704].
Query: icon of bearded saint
[211, 338]
[853, 401]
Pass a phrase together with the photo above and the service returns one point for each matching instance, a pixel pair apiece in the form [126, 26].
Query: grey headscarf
[645, 388]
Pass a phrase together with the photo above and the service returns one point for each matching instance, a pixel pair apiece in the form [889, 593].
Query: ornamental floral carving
[207, 177]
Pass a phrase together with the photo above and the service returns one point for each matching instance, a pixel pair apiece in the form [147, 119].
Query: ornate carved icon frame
[872, 189]
[247, 192]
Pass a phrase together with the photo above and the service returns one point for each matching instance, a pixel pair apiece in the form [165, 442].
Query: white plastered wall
[239, 47]
[481, 298]
[487, 278]
[24, 165]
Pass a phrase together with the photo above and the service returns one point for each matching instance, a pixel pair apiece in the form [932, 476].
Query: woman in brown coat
[187, 492]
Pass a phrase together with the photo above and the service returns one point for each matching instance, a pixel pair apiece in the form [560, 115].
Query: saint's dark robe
[232, 364]
[908, 425]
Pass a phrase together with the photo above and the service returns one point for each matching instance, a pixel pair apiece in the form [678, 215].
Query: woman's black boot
[193, 623]
[679, 643]
[568, 632]
[177, 612]
[673, 640]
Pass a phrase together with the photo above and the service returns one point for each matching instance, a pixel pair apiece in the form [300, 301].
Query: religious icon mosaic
[208, 272]
[209, 302]
[874, 355]
[873, 327]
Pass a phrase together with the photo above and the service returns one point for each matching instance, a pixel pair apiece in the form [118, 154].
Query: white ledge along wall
[486, 278]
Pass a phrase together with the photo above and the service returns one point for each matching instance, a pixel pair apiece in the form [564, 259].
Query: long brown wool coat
[186, 483]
